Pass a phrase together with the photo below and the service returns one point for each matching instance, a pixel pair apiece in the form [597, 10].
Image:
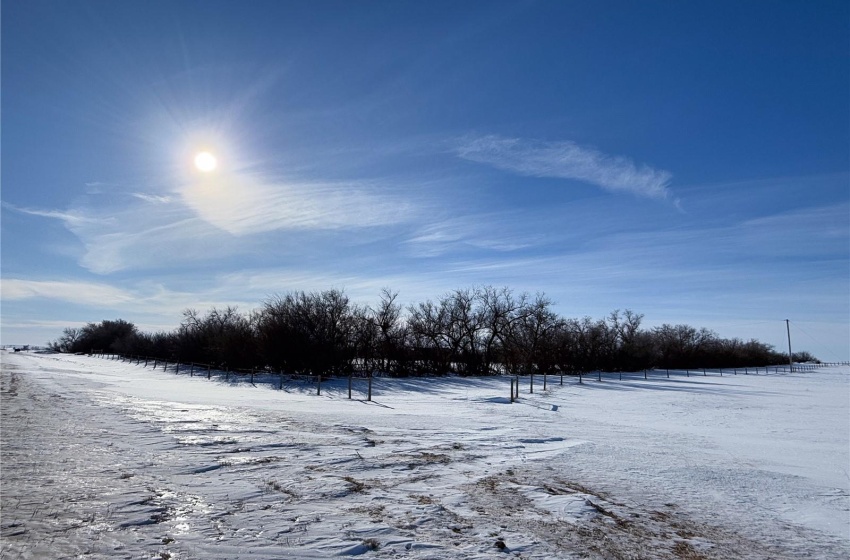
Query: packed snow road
[105, 459]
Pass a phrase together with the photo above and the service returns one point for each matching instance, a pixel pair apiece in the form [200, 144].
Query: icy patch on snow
[565, 505]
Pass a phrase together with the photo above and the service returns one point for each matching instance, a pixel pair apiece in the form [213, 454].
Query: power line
[816, 341]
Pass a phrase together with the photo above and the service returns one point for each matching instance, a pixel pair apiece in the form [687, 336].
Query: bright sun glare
[205, 162]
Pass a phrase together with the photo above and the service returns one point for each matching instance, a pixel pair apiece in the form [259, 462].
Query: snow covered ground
[106, 459]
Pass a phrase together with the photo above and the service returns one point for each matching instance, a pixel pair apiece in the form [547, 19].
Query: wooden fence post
[209, 370]
[512, 389]
[319, 384]
[644, 373]
[544, 380]
[531, 383]
[599, 375]
[349, 385]
[369, 397]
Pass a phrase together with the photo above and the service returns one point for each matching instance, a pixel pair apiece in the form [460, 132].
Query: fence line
[267, 372]
[223, 369]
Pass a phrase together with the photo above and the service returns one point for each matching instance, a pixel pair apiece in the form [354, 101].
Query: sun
[205, 162]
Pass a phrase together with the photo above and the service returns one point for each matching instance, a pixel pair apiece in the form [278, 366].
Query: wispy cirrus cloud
[136, 299]
[223, 216]
[152, 198]
[86, 293]
[567, 160]
[242, 205]
[71, 217]
[500, 232]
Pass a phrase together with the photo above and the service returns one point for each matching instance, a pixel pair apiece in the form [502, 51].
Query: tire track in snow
[69, 486]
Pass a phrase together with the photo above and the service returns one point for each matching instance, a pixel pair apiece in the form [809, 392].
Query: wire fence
[357, 379]
[222, 371]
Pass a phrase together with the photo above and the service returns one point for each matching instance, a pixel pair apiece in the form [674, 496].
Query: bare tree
[500, 310]
[531, 340]
[389, 332]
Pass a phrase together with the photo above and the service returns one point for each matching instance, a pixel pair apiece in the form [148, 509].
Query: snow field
[111, 460]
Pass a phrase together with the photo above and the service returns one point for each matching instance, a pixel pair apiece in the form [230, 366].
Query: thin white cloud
[362, 286]
[36, 324]
[123, 235]
[494, 232]
[148, 241]
[218, 218]
[242, 205]
[152, 198]
[98, 187]
[86, 293]
[150, 300]
[567, 160]
[71, 218]
[165, 235]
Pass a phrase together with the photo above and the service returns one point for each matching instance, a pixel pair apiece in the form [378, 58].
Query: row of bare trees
[471, 331]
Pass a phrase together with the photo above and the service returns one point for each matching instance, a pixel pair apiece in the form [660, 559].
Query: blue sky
[687, 160]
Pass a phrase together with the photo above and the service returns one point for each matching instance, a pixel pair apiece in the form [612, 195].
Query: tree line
[470, 331]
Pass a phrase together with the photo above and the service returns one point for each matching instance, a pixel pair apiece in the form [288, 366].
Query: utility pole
[790, 356]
